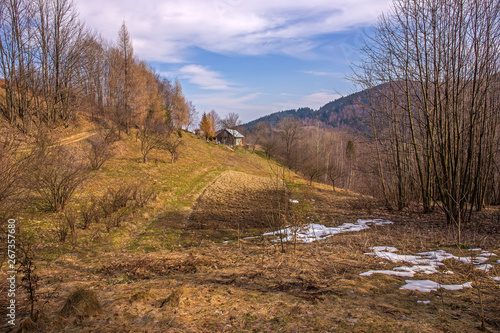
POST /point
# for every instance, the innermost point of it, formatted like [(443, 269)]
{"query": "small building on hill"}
[(230, 137)]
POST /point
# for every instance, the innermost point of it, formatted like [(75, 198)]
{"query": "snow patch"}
[(315, 231), (485, 267), (425, 263), (426, 286)]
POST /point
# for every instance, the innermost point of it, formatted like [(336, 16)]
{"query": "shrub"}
[(89, 212), (101, 147), (57, 172)]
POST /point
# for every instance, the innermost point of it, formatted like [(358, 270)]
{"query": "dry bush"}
[(143, 195), (71, 219), (12, 173), (61, 230), (90, 213), (81, 303), (116, 218), (116, 198), (101, 147), (57, 172)]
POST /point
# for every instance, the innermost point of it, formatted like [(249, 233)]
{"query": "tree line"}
[(54, 66), (316, 151), (433, 69)]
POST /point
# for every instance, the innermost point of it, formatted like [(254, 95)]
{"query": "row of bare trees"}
[(317, 152), (433, 69), (53, 66)]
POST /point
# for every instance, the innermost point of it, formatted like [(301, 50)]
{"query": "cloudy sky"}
[(253, 57)]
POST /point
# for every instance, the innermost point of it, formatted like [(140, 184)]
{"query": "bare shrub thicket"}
[(117, 203), (56, 173), (13, 167), (101, 147), (90, 213)]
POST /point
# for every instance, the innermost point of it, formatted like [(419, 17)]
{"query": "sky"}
[(251, 57)]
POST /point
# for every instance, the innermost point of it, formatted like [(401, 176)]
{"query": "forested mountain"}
[(346, 111)]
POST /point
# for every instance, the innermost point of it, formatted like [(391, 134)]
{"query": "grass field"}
[(182, 263)]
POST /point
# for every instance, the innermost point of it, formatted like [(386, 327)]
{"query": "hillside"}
[(344, 112), (187, 253)]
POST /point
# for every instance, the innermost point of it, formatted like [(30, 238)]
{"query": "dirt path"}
[(69, 140), (77, 137)]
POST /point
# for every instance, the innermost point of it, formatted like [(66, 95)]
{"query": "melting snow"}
[(405, 271), (431, 258), (426, 286), (485, 267), (424, 302), (314, 231), (426, 263)]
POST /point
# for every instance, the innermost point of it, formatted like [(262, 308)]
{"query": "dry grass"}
[(160, 272)]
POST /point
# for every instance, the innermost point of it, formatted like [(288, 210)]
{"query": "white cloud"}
[(313, 101), (165, 30), (320, 73), (203, 77)]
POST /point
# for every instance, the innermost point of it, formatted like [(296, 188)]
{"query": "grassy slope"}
[(155, 274)]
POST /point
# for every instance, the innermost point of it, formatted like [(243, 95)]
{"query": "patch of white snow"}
[(426, 286), (315, 231)]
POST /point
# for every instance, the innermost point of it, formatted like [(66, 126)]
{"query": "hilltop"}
[(343, 112), (185, 252)]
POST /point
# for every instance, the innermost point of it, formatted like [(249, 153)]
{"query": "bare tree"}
[(258, 133), (151, 137), (125, 67), (290, 130), (216, 121), (439, 63), (231, 121), (172, 141), (192, 115), (16, 62), (101, 147)]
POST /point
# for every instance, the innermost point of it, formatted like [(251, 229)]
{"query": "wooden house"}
[(230, 137)]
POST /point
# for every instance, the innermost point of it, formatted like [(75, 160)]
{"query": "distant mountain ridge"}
[(346, 111)]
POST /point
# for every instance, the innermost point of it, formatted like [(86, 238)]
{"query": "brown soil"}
[(235, 200)]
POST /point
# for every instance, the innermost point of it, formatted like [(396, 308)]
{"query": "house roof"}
[(233, 132)]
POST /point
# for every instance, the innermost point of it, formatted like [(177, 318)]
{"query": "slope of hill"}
[(193, 258), (344, 112)]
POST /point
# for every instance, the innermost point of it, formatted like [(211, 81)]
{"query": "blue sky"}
[(249, 57)]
